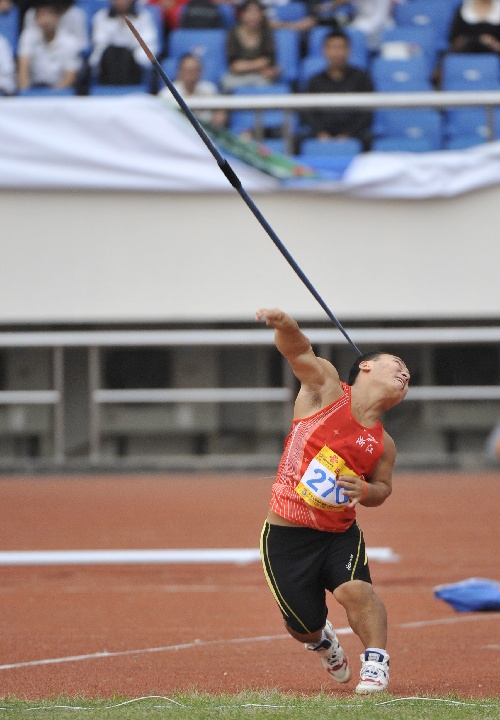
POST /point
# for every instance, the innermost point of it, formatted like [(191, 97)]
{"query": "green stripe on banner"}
[(261, 157)]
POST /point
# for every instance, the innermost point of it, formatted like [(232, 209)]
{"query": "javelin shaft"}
[(236, 182)]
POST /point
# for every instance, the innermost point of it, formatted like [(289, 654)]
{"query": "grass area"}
[(251, 705)]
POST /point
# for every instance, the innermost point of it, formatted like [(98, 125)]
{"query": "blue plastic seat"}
[(329, 148), (116, 90), (247, 120), (208, 45), (462, 142), (418, 40), (470, 71), (359, 55), (287, 53), (291, 11), (464, 127), (416, 124), (47, 92), (410, 75), (308, 67), (435, 14), (9, 26), (402, 144)]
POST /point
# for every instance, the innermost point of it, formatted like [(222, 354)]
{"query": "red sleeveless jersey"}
[(329, 443)]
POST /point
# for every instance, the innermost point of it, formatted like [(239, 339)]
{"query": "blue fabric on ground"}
[(472, 595)]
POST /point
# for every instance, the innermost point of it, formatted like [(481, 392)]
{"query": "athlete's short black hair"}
[(354, 371)]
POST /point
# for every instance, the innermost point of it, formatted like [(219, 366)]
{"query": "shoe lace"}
[(371, 670)]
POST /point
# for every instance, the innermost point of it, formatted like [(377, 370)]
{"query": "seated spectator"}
[(48, 56), (7, 68), (339, 77), (189, 84), (250, 49), (73, 20), (117, 58), (476, 27)]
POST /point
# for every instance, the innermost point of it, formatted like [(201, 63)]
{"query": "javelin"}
[(236, 182)]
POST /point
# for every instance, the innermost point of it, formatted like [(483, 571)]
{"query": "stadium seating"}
[(287, 53), (421, 129), (470, 71), (415, 40), (291, 11), (436, 14), (323, 148), (47, 92), (308, 67), (9, 26), (117, 90), (208, 45), (402, 144), (464, 127), (248, 120), (411, 75)]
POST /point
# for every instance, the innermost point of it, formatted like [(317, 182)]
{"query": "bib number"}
[(318, 486)]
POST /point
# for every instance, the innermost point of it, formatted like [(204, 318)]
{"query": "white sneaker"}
[(332, 656), (374, 675)]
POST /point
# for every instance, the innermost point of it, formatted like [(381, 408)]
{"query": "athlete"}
[(336, 456)]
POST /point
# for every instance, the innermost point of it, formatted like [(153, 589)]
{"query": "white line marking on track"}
[(231, 641), (237, 556)]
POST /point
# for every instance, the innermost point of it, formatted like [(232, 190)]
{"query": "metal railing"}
[(296, 102), (98, 396)]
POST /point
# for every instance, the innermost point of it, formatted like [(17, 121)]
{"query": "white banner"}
[(139, 143)]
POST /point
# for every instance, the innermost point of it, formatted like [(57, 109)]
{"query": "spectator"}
[(73, 20), (116, 57), (48, 56), (250, 49), (7, 68), (189, 84), (339, 77), (476, 27), (370, 17)]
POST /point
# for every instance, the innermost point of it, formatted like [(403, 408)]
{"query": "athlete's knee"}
[(355, 591), (308, 637)]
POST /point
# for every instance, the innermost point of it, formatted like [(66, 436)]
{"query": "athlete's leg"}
[(312, 638), (365, 611)]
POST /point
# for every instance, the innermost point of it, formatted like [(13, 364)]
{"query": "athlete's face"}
[(392, 372)]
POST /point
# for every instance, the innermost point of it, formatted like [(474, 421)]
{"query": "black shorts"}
[(301, 563)]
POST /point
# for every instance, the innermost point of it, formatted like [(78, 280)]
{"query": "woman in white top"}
[(109, 29), (476, 27), (73, 21), (47, 55)]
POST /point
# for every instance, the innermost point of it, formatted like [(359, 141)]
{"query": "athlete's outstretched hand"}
[(274, 317)]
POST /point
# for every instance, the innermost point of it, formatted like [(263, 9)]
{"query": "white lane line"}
[(233, 641), (450, 621), (237, 556)]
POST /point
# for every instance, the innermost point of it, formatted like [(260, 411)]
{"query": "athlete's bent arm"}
[(375, 490), (380, 481), (313, 373)]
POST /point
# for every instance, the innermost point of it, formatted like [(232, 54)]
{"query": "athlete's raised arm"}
[(319, 378)]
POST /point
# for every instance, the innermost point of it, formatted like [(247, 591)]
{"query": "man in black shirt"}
[(340, 77)]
